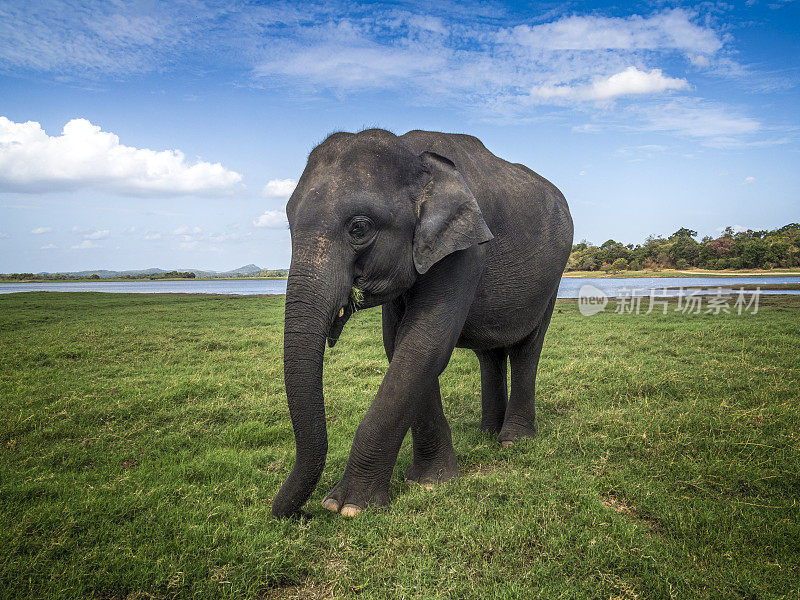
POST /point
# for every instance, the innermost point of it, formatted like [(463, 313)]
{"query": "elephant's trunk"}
[(314, 295)]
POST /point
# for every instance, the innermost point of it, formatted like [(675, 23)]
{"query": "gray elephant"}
[(461, 248)]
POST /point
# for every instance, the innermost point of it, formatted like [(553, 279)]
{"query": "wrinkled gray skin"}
[(462, 249)]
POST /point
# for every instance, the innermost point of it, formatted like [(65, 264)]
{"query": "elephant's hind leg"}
[(520, 418), (494, 389), (434, 455)]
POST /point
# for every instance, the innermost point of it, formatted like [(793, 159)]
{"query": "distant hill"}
[(244, 271), (250, 269)]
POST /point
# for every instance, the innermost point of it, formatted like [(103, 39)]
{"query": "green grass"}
[(144, 436)]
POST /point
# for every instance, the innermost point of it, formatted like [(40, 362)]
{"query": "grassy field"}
[(144, 436)]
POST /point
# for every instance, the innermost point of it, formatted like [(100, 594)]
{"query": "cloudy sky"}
[(138, 134)]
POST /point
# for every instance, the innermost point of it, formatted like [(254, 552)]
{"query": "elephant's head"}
[(371, 214)]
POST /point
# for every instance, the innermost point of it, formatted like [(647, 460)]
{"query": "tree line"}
[(95, 276), (273, 273), (749, 249)]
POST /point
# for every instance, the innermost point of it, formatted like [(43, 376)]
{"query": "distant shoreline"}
[(132, 279), (681, 273), (566, 275)]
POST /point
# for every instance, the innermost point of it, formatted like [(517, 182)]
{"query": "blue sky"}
[(138, 134)]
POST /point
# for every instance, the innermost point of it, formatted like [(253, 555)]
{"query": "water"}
[(189, 286), (642, 285), (568, 289)]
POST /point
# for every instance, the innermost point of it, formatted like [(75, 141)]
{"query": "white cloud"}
[(670, 29), (152, 235), (97, 235), (634, 81), (369, 45), (89, 38), (490, 68), (643, 149), (273, 219), (186, 230), (234, 236), (631, 81), (749, 180), (85, 157), (85, 244), (279, 188), (4, 235), (49, 247), (465, 56), (356, 63), (41, 230), (712, 122)]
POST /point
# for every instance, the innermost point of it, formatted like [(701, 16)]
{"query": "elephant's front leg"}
[(400, 399), (434, 315), (434, 455)]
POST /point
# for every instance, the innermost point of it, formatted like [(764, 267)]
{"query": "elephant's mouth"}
[(339, 322), (358, 300), (354, 302)]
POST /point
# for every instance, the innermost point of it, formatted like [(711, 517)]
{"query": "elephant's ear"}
[(448, 216)]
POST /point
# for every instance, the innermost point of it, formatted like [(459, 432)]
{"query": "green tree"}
[(685, 249), (683, 232), (611, 250), (619, 265), (752, 252)]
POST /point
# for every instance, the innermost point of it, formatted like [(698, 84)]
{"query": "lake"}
[(569, 287)]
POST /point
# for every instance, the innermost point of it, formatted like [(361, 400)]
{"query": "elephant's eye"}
[(361, 230)]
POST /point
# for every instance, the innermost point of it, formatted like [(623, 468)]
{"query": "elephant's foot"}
[(491, 424), (516, 430), (429, 473), (349, 498)]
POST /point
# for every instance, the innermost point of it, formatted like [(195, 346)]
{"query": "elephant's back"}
[(511, 195), (532, 228)]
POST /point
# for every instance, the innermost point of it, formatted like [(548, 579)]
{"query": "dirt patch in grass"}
[(622, 506)]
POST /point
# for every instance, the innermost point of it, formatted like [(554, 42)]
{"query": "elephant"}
[(461, 249)]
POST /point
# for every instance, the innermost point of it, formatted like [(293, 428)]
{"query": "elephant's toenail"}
[(350, 510), (330, 504), (506, 444)]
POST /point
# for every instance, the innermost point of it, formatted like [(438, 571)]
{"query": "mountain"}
[(250, 269), (246, 270)]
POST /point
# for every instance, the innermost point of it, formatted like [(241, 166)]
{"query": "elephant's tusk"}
[(341, 312)]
